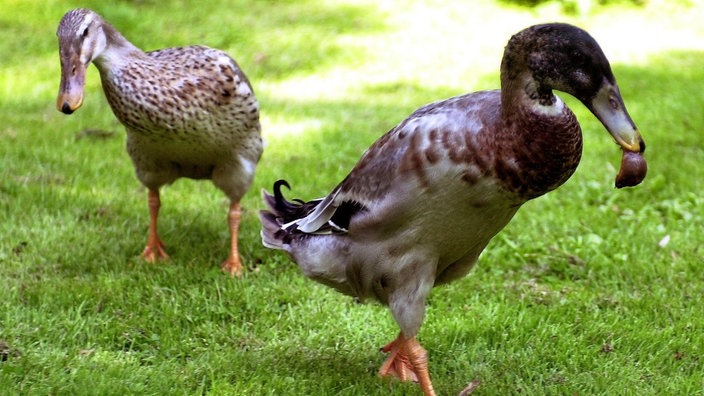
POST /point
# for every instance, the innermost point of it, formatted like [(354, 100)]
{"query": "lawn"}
[(589, 290)]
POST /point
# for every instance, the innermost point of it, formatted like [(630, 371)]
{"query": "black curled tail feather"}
[(281, 212), (288, 211), (280, 203)]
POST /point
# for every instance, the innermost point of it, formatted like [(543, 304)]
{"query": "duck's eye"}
[(84, 34), (614, 103)]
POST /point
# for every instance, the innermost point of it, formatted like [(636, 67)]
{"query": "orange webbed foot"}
[(397, 364), (232, 266), (154, 252), (407, 361)]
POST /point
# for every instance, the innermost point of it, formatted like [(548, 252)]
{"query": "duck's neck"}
[(521, 90), (117, 51), (545, 145)]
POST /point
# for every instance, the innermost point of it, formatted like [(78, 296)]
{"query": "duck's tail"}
[(280, 220), (271, 232)]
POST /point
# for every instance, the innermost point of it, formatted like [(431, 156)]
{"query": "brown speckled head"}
[(72, 32)]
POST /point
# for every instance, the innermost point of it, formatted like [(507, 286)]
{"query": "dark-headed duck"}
[(428, 196)]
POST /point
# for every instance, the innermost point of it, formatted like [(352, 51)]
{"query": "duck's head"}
[(81, 39), (566, 58)]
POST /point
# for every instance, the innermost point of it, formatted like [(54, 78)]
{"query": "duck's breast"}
[(543, 149)]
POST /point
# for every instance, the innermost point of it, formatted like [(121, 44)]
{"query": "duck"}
[(425, 199), (189, 112)]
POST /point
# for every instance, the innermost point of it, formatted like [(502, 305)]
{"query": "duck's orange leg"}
[(232, 265), (155, 248), (408, 361)]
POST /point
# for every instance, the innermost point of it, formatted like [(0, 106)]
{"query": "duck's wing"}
[(411, 153), (206, 68)]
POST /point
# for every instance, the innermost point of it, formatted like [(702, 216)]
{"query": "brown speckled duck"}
[(428, 196), (188, 111)]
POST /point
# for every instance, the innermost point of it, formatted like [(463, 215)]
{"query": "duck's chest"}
[(542, 155)]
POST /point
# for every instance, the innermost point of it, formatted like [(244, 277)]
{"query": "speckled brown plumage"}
[(188, 111), (425, 200)]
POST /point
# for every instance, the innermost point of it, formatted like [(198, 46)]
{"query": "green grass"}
[(575, 296)]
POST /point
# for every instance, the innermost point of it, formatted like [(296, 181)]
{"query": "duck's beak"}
[(73, 80), (608, 107)]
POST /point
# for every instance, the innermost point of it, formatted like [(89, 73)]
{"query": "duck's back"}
[(186, 104), (466, 139)]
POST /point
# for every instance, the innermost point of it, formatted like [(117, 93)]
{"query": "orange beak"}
[(73, 81)]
